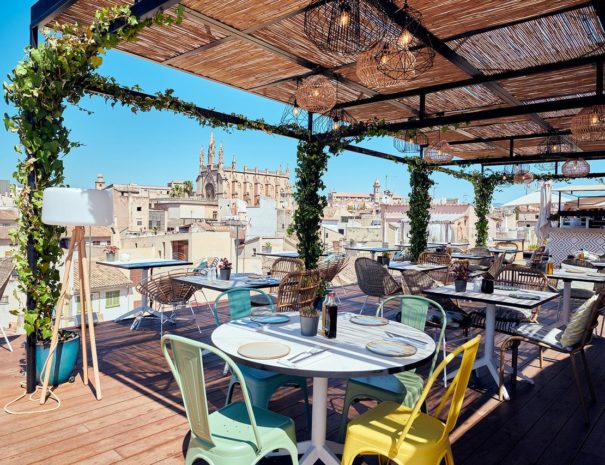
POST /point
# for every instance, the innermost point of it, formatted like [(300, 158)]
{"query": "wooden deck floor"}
[(141, 420)]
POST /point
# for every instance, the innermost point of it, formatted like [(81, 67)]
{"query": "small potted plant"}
[(110, 252), (309, 321), (224, 267), (322, 291), (554, 219), (461, 273), (267, 246), (384, 258)]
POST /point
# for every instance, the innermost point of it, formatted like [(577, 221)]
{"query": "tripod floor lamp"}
[(63, 206)]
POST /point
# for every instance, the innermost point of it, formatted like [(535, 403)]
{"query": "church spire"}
[(233, 163), (202, 161), (211, 150), (221, 154)]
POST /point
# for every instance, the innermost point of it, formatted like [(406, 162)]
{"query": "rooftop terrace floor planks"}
[(141, 420)]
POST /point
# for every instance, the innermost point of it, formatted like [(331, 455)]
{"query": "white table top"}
[(588, 277), (499, 296), (346, 355), (373, 249), (415, 266), (598, 264), (237, 280)]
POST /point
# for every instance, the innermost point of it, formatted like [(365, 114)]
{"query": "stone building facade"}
[(217, 181)]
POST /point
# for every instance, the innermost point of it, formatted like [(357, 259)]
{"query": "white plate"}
[(263, 350), (369, 320), (390, 348)]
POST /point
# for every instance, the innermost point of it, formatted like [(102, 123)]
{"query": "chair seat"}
[(579, 293), (377, 430), (404, 387), (232, 433), (259, 300), (472, 267), (543, 334), (507, 318), (258, 374)]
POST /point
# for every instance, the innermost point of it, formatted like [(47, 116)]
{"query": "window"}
[(214, 215), (112, 299), (139, 222), (139, 209), (96, 242), (4, 300)]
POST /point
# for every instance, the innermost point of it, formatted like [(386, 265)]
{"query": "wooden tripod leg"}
[(58, 313), (91, 327), (83, 321)]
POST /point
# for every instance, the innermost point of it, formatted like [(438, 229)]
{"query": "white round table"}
[(345, 356)]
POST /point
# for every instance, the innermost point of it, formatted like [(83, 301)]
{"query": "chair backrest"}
[(165, 290), (496, 266), (598, 308), (523, 277), (330, 266), (208, 262), (508, 256), (537, 256), (297, 290), (414, 311), (373, 279), (454, 395), (282, 266), (414, 282), (480, 250), (185, 359), (307, 291), (438, 258), (7, 265), (239, 301)]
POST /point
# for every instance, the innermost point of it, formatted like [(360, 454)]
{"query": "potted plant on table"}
[(267, 246), (110, 253), (224, 267), (384, 258), (461, 273), (309, 321), (322, 291), (554, 219)]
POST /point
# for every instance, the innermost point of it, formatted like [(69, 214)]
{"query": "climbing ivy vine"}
[(420, 204)]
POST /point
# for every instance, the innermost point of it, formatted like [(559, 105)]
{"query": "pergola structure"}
[(506, 74)]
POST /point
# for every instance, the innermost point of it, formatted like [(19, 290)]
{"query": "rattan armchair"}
[(167, 294), (483, 263), (279, 270), (6, 269), (509, 257), (330, 267), (537, 256), (297, 290), (546, 337), (508, 318), (374, 280), (438, 258)]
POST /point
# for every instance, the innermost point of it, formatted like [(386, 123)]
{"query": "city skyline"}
[(155, 148)]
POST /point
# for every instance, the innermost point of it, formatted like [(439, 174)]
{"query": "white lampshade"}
[(67, 206)]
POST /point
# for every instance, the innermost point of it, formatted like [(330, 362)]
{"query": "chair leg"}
[(199, 330), (8, 343), (576, 375), (515, 363), (364, 304), (305, 391), (541, 353), (230, 389), (449, 457), (348, 400), (444, 342), (588, 376)]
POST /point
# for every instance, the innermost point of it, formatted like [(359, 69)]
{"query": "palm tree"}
[(176, 191), (187, 188)]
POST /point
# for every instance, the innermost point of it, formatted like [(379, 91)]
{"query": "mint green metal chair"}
[(261, 384), (238, 433), (405, 387)]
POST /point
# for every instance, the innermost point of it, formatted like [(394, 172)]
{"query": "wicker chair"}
[(279, 270), (6, 269), (374, 280), (535, 261), (297, 290), (509, 257), (330, 267), (482, 264), (438, 258), (546, 337), (164, 291), (508, 318)]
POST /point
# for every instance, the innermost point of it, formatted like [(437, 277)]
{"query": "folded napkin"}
[(526, 296)]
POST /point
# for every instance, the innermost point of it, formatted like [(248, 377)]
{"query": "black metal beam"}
[(529, 159), (599, 7), (479, 140), (483, 79), (44, 11), (462, 118)]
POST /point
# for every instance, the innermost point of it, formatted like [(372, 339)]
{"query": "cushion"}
[(541, 333), (575, 329)]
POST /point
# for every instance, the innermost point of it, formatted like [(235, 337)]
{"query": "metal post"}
[(236, 247), (30, 342)]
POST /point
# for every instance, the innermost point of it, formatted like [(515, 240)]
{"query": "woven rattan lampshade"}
[(439, 152), (589, 124), (405, 142), (523, 176), (555, 144), (346, 27), (316, 94), (403, 55), (577, 168), (368, 72)]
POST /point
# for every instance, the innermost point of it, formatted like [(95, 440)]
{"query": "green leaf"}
[(96, 61)]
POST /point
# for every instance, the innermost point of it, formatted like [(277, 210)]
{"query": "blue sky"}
[(155, 148)]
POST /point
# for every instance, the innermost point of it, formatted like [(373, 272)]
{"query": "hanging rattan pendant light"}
[(438, 152), (403, 55), (576, 168), (316, 94), (368, 72), (589, 124), (346, 27), (522, 176), (410, 143), (554, 144)]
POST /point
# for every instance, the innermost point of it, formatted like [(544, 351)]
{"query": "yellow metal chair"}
[(408, 436)]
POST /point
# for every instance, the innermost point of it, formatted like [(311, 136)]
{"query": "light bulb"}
[(555, 148), (345, 18), (295, 110), (315, 93), (335, 125), (594, 118), (384, 59), (405, 39)]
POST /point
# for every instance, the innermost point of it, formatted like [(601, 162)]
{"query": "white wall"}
[(262, 219)]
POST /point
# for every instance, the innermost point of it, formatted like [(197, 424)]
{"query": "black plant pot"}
[(380, 259), (386, 261), (460, 285), (225, 274)]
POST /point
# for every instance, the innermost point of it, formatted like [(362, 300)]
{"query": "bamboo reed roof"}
[(260, 46)]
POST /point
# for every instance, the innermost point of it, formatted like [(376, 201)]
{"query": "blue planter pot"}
[(64, 361)]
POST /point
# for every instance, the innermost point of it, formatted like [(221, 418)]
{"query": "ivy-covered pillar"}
[(484, 187), (420, 204), (311, 164)]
